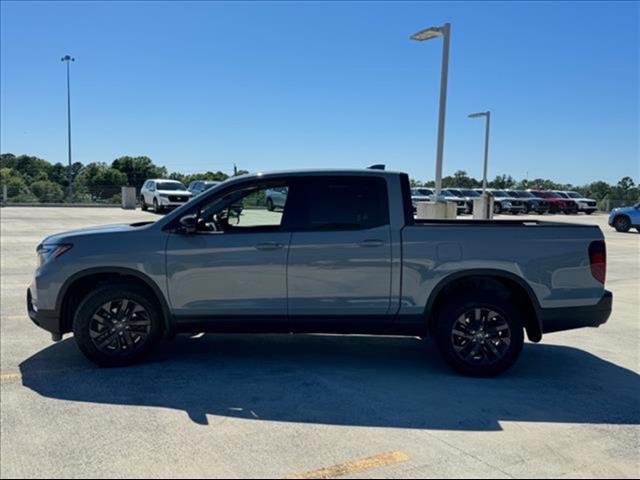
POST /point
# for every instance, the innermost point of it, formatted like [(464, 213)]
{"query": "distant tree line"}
[(625, 192), (32, 179)]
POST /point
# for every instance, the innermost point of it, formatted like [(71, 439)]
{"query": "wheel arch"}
[(76, 287), (488, 279)]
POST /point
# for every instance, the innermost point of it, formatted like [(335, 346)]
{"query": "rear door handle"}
[(371, 243), (269, 246)]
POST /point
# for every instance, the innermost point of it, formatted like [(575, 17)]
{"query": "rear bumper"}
[(560, 319), (45, 319)]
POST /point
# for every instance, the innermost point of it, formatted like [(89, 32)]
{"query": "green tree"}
[(502, 181), (31, 168), (14, 182), (100, 181), (47, 191), (138, 169), (59, 173)]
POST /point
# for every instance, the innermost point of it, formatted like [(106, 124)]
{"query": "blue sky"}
[(198, 86)]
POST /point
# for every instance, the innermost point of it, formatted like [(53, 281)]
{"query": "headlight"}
[(46, 252), (164, 195), (506, 204)]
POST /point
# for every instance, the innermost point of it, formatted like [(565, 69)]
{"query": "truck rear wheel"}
[(480, 334), (117, 325)]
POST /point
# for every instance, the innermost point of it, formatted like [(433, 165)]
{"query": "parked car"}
[(530, 201), (623, 219), (557, 202), (585, 205), (423, 194), (504, 203), (276, 198), (468, 198), (345, 256), (163, 194), (196, 187)]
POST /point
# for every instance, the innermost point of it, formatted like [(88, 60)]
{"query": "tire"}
[(477, 357), (589, 212), (270, 205), (143, 204), (497, 208), (156, 208), (131, 338), (622, 223)]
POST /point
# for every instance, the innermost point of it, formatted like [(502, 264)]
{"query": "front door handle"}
[(269, 246), (371, 243)]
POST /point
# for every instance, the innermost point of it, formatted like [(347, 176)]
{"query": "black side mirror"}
[(189, 223)]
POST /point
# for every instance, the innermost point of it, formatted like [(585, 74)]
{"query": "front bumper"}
[(514, 209), (45, 319), (587, 208), (569, 318)]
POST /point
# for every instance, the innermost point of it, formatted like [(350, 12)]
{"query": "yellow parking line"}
[(355, 466), (7, 377)]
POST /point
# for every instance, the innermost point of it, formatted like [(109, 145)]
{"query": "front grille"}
[(516, 203), (591, 204), (178, 198)]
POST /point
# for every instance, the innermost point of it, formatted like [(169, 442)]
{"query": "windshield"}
[(453, 193), (470, 193), (525, 194), (422, 191), (499, 193), (561, 195), (574, 195), (170, 186), (545, 194)]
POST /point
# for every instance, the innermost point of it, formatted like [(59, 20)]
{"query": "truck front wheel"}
[(117, 325), (480, 334)]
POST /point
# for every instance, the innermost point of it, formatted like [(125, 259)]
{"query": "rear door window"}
[(341, 203)]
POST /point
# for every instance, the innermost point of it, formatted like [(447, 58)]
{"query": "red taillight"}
[(598, 260)]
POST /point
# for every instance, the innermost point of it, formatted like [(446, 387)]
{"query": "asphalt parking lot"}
[(287, 406)]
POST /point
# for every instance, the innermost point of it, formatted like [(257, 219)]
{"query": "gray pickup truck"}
[(345, 255)]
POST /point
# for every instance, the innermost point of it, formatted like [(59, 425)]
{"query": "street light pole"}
[(487, 115), (69, 58), (445, 32)]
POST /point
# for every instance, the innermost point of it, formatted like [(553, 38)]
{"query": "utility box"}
[(483, 207), (435, 210), (129, 198)]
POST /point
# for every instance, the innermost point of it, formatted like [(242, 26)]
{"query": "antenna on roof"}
[(377, 166)]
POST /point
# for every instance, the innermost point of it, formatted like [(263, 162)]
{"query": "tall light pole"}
[(427, 34), (487, 115), (69, 58)]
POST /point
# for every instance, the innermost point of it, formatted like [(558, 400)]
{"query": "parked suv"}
[(163, 194), (424, 194), (505, 203), (585, 205), (276, 198), (530, 201), (622, 219), (467, 197), (198, 186), (558, 203)]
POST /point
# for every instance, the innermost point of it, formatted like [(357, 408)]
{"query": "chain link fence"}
[(49, 193)]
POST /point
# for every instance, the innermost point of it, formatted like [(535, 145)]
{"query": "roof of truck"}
[(327, 171)]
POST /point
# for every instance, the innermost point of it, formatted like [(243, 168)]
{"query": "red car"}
[(557, 202)]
